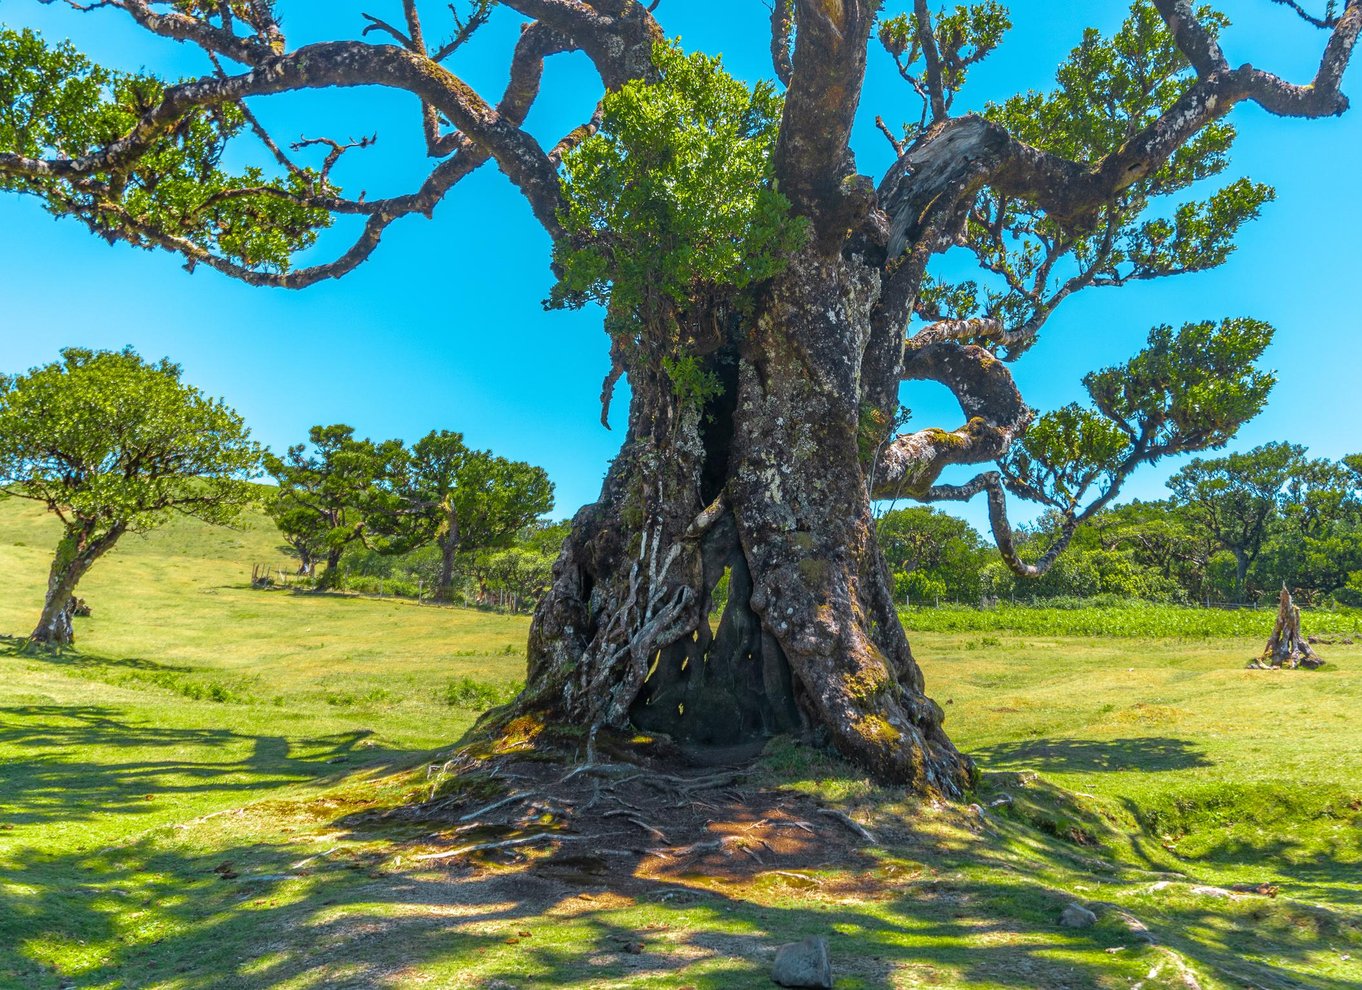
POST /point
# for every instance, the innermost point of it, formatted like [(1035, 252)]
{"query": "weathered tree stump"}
[(1286, 647)]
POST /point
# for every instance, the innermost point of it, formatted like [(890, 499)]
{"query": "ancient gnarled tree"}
[(764, 298)]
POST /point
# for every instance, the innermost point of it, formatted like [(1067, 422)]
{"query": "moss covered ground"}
[(211, 793)]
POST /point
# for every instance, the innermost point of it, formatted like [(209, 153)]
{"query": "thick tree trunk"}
[(767, 483), (54, 625), (75, 553), (449, 547), (330, 577)]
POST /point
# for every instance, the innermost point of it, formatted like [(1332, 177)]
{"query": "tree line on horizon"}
[(437, 513), (111, 443), (1234, 529)]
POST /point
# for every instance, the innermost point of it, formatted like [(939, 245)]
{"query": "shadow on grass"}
[(258, 915), (71, 763), (1148, 754)]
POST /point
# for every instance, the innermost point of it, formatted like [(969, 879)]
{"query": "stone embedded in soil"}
[(803, 964), (1077, 916)]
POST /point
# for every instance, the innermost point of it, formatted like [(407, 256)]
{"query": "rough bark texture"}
[(448, 541), (768, 483), (1287, 647), (76, 552)]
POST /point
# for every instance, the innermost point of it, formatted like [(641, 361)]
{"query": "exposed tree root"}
[(666, 822)]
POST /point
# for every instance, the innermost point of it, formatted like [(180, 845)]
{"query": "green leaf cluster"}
[(55, 102), (339, 490), (112, 443), (329, 487), (670, 206), (1188, 389), (1108, 90)]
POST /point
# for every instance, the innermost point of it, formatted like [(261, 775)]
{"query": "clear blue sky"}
[(443, 328)]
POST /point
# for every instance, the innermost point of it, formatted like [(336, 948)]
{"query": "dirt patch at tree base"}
[(634, 825)]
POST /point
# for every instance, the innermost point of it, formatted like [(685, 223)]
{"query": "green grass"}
[(204, 728), (1139, 620)]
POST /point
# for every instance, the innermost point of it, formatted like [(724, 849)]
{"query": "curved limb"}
[(963, 154), (994, 410)]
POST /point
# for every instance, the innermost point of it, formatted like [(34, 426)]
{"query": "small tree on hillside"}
[(461, 500), (113, 444), (326, 494)]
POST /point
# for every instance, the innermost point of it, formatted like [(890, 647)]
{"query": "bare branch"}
[(617, 36), (317, 66), (266, 41), (894, 142), (1326, 22), (337, 149), (931, 55), (375, 24), (782, 26)]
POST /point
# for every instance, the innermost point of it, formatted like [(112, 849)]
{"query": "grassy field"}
[(1138, 619), (210, 794)]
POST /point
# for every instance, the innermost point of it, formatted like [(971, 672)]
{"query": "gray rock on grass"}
[(803, 964), (1077, 916)]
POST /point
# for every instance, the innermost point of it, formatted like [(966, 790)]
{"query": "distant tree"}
[(463, 501), (1235, 498), (326, 493), (517, 575), (1091, 566), (113, 444), (1162, 537), (1315, 541), (929, 552)]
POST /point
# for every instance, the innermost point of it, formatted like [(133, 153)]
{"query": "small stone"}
[(1211, 891), (803, 964), (1077, 916)]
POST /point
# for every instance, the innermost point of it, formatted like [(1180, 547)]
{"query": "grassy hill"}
[(215, 791)]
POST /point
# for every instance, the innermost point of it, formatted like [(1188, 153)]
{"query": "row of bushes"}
[(1121, 618)]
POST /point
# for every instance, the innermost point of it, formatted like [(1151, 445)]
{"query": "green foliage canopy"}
[(1186, 390), (327, 494), (113, 444), (109, 441), (670, 204), (55, 102)]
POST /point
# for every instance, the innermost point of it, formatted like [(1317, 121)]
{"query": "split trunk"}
[(767, 483), (1287, 646)]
